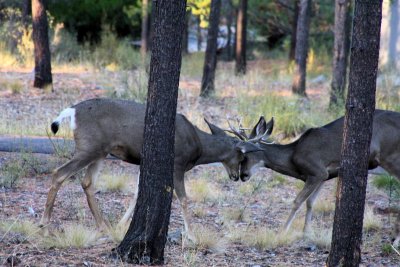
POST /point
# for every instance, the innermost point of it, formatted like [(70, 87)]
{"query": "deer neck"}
[(279, 158), (213, 148)]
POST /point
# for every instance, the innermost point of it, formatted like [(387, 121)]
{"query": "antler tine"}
[(236, 132), (241, 129), (259, 138)]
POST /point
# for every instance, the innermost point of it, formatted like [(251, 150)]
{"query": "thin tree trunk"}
[(145, 29), (394, 31), (146, 237), (199, 37), (43, 77), (186, 33), (26, 12), (357, 132), (241, 26), (294, 30), (341, 50), (229, 20), (210, 61), (303, 27)]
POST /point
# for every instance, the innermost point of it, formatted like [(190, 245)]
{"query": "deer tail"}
[(66, 113)]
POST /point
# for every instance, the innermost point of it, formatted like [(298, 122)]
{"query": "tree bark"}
[(40, 35), (303, 27), (210, 61), (294, 30), (241, 26), (394, 31), (146, 237), (341, 49), (357, 132), (145, 29)]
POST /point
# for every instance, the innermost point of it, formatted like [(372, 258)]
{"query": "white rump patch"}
[(68, 112)]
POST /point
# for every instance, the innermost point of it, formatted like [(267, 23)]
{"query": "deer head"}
[(250, 150)]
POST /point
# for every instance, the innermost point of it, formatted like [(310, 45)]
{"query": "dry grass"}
[(239, 214), (74, 235), (120, 181), (28, 228), (371, 221), (263, 238), (201, 190), (208, 239), (324, 206), (321, 238)]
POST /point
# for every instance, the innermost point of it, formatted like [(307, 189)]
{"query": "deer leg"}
[(309, 213), (88, 187), (59, 176), (310, 186), (392, 166), (181, 194), (129, 212)]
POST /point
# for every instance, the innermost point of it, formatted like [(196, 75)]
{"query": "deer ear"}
[(269, 126), (262, 128), (215, 130), (246, 147)]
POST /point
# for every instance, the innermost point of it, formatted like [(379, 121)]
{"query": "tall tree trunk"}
[(146, 237), (145, 29), (241, 27), (294, 30), (341, 49), (394, 31), (40, 37), (303, 27), (199, 37), (26, 12), (210, 61), (185, 41), (229, 20), (357, 132)]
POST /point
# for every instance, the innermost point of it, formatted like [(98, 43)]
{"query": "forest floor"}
[(263, 203)]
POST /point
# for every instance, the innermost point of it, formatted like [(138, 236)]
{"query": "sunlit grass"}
[(371, 221), (321, 238), (263, 238), (74, 235), (207, 238), (116, 181), (201, 190)]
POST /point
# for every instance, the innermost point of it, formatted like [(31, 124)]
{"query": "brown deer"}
[(315, 156), (115, 127)]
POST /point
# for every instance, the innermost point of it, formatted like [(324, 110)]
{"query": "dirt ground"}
[(265, 208)]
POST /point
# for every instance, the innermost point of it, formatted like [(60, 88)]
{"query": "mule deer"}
[(315, 156), (107, 126)]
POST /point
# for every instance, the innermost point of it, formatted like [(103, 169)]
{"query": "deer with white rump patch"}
[(115, 127), (315, 156)]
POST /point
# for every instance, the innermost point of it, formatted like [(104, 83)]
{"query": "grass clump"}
[(11, 172), (113, 182), (74, 235), (202, 191), (321, 238), (324, 206), (24, 227), (208, 239), (236, 214), (371, 221), (262, 238)]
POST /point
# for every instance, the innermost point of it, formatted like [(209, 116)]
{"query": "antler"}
[(240, 132)]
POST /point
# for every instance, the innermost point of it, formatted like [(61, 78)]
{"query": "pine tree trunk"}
[(185, 46), (146, 237), (294, 30), (210, 61), (341, 50), (40, 37), (303, 27), (357, 132), (145, 29), (241, 27), (394, 31)]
